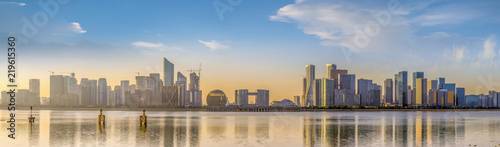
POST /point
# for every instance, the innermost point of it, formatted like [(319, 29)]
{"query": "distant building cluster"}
[(338, 89), (147, 90)]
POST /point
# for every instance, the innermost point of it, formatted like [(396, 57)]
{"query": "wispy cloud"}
[(77, 28), (214, 45), (159, 46), (14, 3), (489, 48), (457, 54)]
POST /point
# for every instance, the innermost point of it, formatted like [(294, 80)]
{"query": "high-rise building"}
[(194, 90), (118, 95), (324, 92), (421, 92), (416, 75), (34, 89), (111, 96), (262, 98), (402, 88), (93, 91), (461, 97), (329, 68), (168, 72), (472, 100), (310, 77), (296, 100), (304, 89), (348, 81), (154, 86), (56, 89), (125, 90), (388, 91), (492, 98), (441, 82), (441, 97), (84, 92), (241, 97), (396, 100), (337, 77), (103, 91), (141, 82), (364, 86), (182, 83), (498, 99)]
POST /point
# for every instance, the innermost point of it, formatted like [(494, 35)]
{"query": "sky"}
[(257, 44)]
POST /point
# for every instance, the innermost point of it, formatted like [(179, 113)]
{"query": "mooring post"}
[(101, 118), (143, 118), (31, 119)]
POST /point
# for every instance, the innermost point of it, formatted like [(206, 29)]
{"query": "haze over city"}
[(256, 45)]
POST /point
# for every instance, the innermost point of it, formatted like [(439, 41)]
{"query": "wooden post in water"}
[(143, 118), (31, 119), (101, 118)]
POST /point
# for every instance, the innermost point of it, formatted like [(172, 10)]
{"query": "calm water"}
[(80, 128)]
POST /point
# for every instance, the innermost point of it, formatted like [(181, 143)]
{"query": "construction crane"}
[(199, 74), (51, 72)]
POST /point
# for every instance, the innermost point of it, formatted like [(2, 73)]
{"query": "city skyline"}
[(281, 43)]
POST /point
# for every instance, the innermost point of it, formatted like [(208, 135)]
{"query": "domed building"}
[(216, 98)]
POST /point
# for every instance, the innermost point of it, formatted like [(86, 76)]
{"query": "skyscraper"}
[(93, 91), (56, 88), (336, 75), (241, 97), (388, 91), (125, 90), (182, 83), (34, 89), (103, 91), (194, 90), (416, 75), (402, 88), (421, 92), (310, 76), (461, 97), (155, 84), (118, 95), (168, 72), (141, 82), (396, 92), (348, 82), (441, 82), (324, 92), (296, 99), (364, 86), (329, 68)]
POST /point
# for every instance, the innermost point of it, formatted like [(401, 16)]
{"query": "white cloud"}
[(489, 48), (77, 28), (159, 46), (214, 45), (148, 44), (15, 3), (457, 55)]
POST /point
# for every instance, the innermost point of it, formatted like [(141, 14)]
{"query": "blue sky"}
[(260, 44)]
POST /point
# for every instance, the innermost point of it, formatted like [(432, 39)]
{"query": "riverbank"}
[(204, 109)]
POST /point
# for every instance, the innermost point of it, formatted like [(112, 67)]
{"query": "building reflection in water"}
[(241, 130), (262, 129), (216, 127), (420, 129), (194, 131)]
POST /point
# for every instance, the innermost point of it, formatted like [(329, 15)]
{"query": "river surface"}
[(277, 129)]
